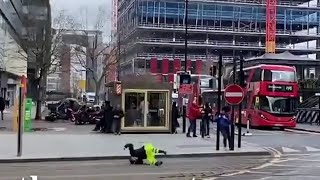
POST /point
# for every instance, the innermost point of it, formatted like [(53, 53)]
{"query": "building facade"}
[(152, 32), (13, 56)]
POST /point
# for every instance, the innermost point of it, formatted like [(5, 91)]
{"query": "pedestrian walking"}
[(194, 114), (117, 116), (2, 106), (175, 116), (225, 123)]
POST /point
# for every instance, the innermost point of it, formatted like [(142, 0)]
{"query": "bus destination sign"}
[(279, 88)]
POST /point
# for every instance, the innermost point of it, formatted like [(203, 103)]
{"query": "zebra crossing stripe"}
[(312, 149), (289, 150)]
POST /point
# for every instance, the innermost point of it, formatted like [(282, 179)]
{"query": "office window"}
[(193, 67), (171, 67), (159, 66)]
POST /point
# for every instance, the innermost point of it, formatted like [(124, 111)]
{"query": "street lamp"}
[(186, 36)]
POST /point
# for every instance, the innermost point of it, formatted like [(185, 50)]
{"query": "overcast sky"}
[(86, 11)]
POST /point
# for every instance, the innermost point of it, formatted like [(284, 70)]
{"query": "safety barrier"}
[(308, 115)]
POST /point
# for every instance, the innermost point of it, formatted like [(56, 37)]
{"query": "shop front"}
[(146, 103), (146, 110)]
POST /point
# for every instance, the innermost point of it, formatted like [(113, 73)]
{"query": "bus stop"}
[(146, 103)]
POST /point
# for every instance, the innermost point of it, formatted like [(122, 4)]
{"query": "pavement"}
[(43, 147), (308, 127), (66, 141), (172, 169)]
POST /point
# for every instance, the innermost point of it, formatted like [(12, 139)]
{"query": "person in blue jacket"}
[(225, 123)]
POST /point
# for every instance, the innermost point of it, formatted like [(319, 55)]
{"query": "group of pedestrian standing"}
[(110, 121), (206, 114)]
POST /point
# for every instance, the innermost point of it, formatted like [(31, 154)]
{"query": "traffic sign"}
[(234, 94), (186, 89)]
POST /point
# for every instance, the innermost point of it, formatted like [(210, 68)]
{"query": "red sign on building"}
[(118, 88), (186, 89), (234, 94)]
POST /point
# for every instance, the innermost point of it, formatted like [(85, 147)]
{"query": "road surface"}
[(288, 167), (172, 169)]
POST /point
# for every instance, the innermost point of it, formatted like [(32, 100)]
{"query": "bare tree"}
[(97, 61), (91, 57), (45, 52)]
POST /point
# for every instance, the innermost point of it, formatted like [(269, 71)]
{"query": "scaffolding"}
[(156, 28)]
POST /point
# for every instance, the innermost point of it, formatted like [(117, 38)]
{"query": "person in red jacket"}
[(194, 114)]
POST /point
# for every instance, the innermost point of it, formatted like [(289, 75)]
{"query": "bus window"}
[(256, 75), (278, 105), (274, 75), (264, 104)]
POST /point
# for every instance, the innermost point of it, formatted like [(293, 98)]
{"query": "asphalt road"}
[(290, 167), (172, 169)]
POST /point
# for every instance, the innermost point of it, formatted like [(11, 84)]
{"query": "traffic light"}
[(213, 70), (185, 78)]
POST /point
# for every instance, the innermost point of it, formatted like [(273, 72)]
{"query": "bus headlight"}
[(262, 116)]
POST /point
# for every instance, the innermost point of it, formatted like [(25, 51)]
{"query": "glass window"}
[(257, 75), (171, 67), (134, 109), (193, 67), (278, 105), (157, 109), (159, 66), (275, 75)]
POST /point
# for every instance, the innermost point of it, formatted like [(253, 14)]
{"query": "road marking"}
[(289, 150), (235, 173), (294, 166), (312, 149), (275, 159), (300, 132)]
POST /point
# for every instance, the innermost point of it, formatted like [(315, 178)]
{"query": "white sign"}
[(32, 178)]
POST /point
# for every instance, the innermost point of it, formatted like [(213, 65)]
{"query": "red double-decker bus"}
[(271, 96)]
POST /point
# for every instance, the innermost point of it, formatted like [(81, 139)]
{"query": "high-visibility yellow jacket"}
[(151, 152)]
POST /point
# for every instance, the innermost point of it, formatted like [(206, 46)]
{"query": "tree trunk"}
[(96, 99), (38, 104)]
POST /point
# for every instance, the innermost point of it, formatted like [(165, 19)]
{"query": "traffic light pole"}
[(219, 101), (241, 80), (233, 107), (184, 108)]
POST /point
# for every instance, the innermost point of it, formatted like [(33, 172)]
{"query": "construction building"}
[(152, 32)]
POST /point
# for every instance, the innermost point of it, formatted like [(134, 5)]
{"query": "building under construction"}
[(152, 32)]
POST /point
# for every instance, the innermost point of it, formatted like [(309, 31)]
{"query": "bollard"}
[(248, 130)]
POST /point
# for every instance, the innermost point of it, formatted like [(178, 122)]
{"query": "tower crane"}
[(271, 15)]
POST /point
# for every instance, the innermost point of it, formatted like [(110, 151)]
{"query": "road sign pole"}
[(219, 101), (184, 116), (241, 81), (19, 146), (233, 107)]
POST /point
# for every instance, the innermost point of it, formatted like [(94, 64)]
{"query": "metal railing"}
[(283, 3), (222, 29), (181, 56), (220, 43), (308, 115)]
